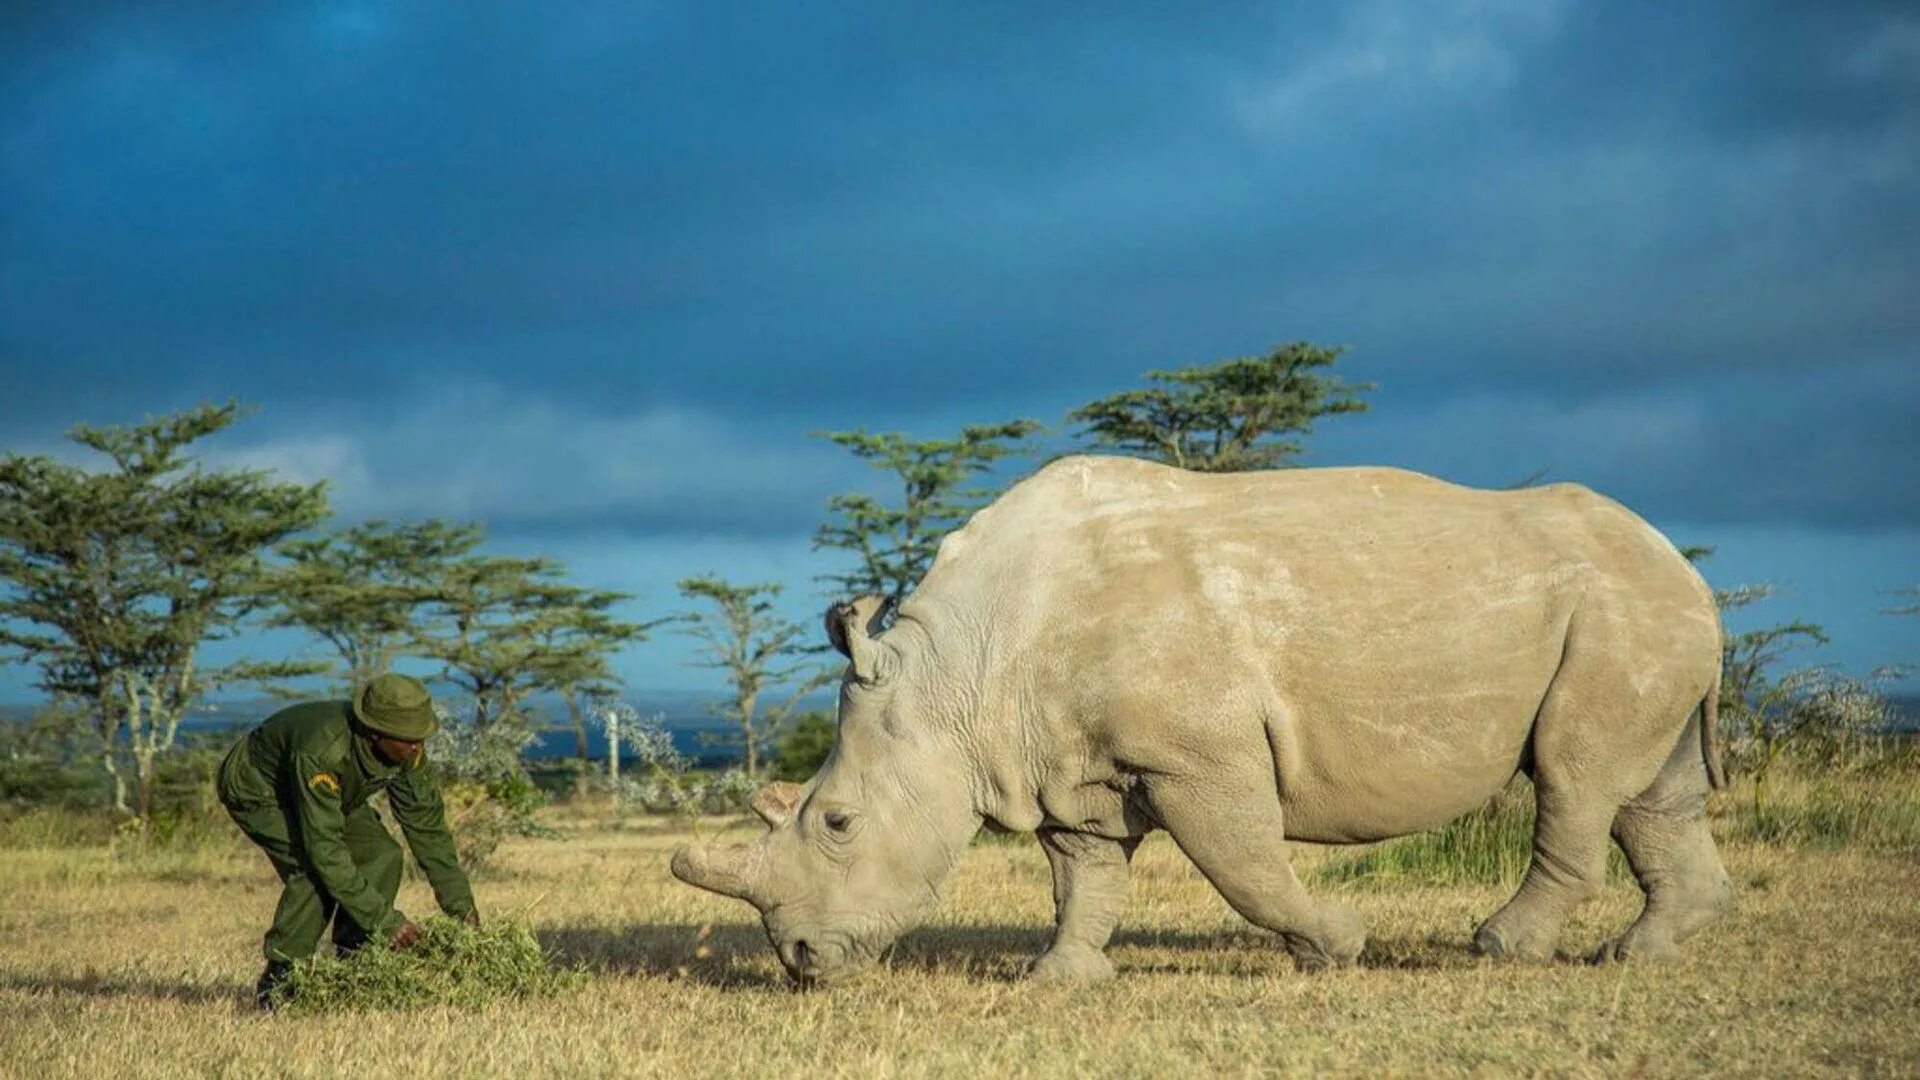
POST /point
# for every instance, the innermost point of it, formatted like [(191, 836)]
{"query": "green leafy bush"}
[(803, 747), (452, 964), (484, 781)]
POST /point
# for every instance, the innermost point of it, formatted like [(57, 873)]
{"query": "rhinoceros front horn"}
[(738, 871)]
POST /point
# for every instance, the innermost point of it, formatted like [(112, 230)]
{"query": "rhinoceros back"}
[(1385, 636)]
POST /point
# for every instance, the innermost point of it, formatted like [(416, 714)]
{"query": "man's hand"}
[(404, 937), (472, 918)]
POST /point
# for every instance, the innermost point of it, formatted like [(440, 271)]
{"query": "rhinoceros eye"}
[(837, 821)]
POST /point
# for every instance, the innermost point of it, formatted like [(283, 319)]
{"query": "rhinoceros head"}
[(857, 855)]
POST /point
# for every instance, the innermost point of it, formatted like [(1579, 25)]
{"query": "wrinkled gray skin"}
[(1331, 655)]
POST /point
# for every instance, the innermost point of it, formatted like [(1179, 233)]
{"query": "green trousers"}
[(305, 909)]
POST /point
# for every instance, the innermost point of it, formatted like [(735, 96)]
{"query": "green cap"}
[(397, 706)]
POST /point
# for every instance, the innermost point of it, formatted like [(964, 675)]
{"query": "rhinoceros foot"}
[(1070, 965), (1513, 939), (1657, 934), (1337, 943), (1638, 948)]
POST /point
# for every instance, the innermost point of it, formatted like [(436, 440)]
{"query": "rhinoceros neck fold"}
[(967, 665)]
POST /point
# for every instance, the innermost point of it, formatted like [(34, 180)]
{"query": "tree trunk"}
[(613, 756), (108, 720), (746, 705), (119, 782), (579, 722), (143, 771)]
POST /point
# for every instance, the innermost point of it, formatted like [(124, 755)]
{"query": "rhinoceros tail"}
[(1710, 733)]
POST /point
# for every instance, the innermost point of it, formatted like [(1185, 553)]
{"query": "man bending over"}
[(298, 786)]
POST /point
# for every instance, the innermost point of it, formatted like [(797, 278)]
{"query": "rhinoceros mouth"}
[(822, 959)]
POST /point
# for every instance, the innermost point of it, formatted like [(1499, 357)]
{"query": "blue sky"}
[(591, 273)]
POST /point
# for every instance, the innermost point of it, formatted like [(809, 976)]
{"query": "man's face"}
[(395, 751)]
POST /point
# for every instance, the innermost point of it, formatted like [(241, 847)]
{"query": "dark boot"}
[(348, 938), (266, 991)]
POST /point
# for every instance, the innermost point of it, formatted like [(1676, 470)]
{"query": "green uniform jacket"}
[(307, 760)]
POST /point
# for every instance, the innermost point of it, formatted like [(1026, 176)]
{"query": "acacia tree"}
[(1748, 660), (480, 624), (112, 580), (362, 589), (757, 650), (1810, 711), (1771, 711), (506, 627), (1233, 416), (574, 637), (895, 544)]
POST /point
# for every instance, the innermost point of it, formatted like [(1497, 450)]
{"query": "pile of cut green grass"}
[(452, 964)]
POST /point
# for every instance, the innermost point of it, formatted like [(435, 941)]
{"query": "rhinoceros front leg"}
[(1230, 826), (1089, 891)]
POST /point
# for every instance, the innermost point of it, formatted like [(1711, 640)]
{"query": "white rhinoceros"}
[(1330, 655)]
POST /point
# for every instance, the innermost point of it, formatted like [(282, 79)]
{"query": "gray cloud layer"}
[(518, 263)]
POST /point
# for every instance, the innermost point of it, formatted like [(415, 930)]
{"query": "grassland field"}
[(132, 962)]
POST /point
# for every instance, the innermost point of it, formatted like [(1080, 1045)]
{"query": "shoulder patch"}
[(324, 781)]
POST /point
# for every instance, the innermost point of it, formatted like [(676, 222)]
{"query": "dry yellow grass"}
[(141, 967)]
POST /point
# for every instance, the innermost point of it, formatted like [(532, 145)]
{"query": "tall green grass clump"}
[(452, 964), (1875, 811), (53, 827), (1490, 846)]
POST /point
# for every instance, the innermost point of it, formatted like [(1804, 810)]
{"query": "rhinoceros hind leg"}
[(1664, 832), (1238, 842), (1089, 892), (1595, 743), (1568, 867)]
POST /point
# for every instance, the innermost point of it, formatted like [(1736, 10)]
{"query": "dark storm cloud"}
[(1770, 450), (401, 180), (1737, 72), (1564, 224)]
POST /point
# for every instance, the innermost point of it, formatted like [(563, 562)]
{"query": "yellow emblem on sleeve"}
[(324, 781)]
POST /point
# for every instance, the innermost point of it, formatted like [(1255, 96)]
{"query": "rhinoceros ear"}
[(776, 802), (851, 627)]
